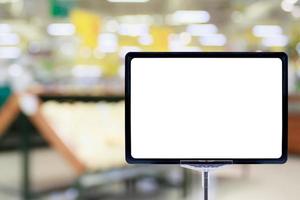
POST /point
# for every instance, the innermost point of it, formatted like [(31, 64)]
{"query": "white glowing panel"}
[(206, 108)]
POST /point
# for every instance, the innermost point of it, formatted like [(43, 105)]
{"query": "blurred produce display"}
[(94, 131)]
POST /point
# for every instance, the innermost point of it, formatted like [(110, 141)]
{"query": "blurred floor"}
[(260, 182), (263, 182)]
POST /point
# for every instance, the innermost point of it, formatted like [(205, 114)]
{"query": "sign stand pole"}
[(204, 169), (205, 184)]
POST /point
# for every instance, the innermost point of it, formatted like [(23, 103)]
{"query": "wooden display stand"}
[(85, 177), (14, 107), (10, 112), (294, 133), (294, 125)]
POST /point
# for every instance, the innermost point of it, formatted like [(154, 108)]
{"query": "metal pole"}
[(25, 145), (205, 184)]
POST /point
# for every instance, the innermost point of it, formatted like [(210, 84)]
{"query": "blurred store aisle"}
[(264, 182)]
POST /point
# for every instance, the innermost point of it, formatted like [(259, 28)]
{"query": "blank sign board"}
[(206, 107)]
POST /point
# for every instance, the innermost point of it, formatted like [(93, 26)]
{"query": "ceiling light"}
[(179, 41), (9, 1), (201, 29), (296, 12), (111, 26), (108, 42), (127, 1), (266, 30), (61, 29), (136, 19), (213, 40), (188, 17), (5, 28), (275, 41), (286, 6), (146, 39), (10, 52), (291, 1), (7, 39), (133, 29)]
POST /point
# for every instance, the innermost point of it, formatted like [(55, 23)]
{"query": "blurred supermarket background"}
[(62, 92)]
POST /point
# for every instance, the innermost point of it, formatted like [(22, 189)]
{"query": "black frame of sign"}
[(281, 55)]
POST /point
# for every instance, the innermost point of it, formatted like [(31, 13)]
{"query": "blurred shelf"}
[(81, 98), (104, 89)]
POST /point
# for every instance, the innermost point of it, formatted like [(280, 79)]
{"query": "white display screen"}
[(206, 108)]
